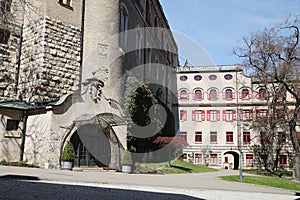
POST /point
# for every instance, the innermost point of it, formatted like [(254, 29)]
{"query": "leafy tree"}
[(272, 57), (138, 102)]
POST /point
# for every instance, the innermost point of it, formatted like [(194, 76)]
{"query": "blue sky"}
[(217, 26)]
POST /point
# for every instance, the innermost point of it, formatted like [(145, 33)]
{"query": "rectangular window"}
[(280, 114), (198, 158), (12, 125), (229, 115), (4, 36), (213, 115), (281, 138), (184, 157), (213, 137), (198, 115), (213, 159), (229, 137), (246, 114), (226, 159), (198, 137), (183, 135), (183, 115), (246, 137), (283, 160), (263, 138), (262, 113), (249, 159)]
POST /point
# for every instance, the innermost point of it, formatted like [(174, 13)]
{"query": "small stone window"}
[(212, 77), (4, 36), (12, 125), (65, 3), (5, 6)]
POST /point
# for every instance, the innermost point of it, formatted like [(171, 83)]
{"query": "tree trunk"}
[(296, 174)]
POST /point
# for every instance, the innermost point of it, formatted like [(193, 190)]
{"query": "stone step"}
[(93, 169)]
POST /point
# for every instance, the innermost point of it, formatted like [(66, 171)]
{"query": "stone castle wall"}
[(8, 67), (50, 60)]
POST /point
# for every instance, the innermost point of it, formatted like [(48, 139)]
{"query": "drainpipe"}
[(23, 134), (239, 132), (19, 58), (81, 44)]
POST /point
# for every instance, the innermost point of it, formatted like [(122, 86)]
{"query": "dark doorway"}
[(235, 158), (92, 147)]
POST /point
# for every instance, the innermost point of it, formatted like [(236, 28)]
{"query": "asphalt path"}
[(30, 183)]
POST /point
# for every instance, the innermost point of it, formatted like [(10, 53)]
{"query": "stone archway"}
[(102, 136), (235, 158), (92, 146)]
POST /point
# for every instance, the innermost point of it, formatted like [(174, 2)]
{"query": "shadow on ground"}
[(28, 187)]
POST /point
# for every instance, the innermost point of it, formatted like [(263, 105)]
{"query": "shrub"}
[(126, 158), (68, 153), (3, 162)]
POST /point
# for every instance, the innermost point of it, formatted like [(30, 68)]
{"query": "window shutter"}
[(251, 114), (224, 95), (193, 115), (233, 114), (224, 115), (187, 95), (194, 96), (203, 115), (258, 95), (267, 111), (250, 95), (257, 112), (218, 115), (208, 96), (185, 115), (208, 115), (233, 95)]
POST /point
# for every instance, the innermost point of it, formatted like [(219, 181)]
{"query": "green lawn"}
[(177, 167), (266, 181), (266, 173)]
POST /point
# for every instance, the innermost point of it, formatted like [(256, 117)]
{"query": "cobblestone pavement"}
[(24, 183)]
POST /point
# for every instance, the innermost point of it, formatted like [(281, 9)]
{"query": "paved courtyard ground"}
[(29, 183)]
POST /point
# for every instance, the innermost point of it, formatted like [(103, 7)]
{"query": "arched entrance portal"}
[(92, 146), (235, 158)]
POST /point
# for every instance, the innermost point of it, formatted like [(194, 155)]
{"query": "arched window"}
[(162, 44), (138, 43), (228, 95), (184, 94), (198, 95), (261, 93), (124, 23), (245, 94), (213, 95)]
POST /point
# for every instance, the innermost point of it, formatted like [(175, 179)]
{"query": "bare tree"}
[(273, 57)]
